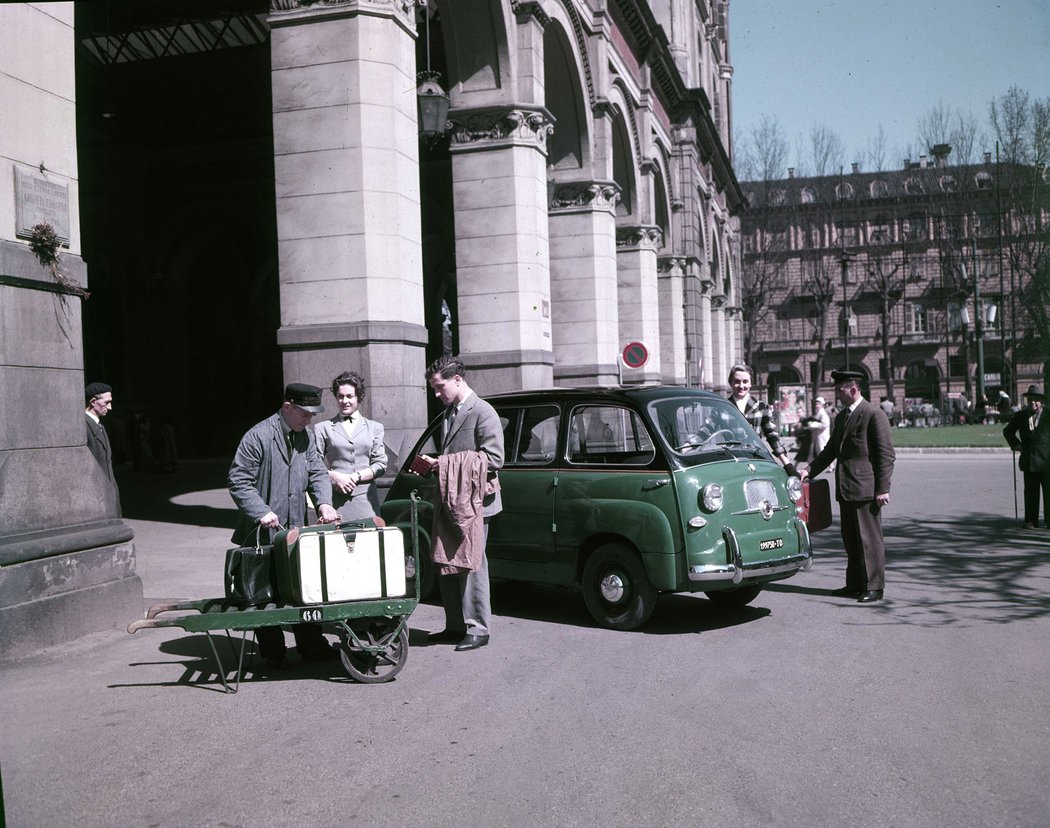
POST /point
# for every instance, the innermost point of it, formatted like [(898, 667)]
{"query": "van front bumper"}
[(734, 570)]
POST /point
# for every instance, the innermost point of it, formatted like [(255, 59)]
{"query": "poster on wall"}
[(792, 407)]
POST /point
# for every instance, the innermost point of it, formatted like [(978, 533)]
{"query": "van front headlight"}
[(794, 487), (712, 497)]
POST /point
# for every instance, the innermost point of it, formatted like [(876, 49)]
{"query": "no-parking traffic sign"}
[(635, 355)]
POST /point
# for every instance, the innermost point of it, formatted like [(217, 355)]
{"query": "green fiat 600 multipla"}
[(629, 492)]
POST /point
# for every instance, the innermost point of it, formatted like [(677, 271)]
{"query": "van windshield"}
[(703, 431)]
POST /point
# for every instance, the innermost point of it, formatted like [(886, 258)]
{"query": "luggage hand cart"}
[(373, 633)]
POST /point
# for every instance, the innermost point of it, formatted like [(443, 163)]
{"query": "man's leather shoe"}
[(847, 592), (446, 636), (472, 642), (870, 596)]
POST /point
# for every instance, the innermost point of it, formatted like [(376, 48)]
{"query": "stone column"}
[(346, 165), (639, 297), (585, 319), (499, 192), (709, 379), (67, 563), (718, 326), (673, 343)]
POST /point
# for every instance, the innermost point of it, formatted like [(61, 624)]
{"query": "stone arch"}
[(623, 168), (661, 198), (624, 153), (922, 378), (477, 40), (569, 145)]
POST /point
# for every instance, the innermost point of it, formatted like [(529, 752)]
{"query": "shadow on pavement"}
[(945, 571), (675, 614), (151, 496)]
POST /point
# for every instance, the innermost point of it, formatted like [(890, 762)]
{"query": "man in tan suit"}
[(861, 446)]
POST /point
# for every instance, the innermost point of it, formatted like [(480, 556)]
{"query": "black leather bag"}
[(249, 574)]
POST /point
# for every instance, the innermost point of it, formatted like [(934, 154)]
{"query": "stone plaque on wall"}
[(38, 200)]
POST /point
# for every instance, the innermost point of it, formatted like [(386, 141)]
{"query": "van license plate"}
[(766, 545)]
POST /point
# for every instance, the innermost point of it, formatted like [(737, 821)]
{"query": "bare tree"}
[(826, 150), (885, 278), (876, 152), (818, 290), (959, 130), (765, 238), (1022, 126)]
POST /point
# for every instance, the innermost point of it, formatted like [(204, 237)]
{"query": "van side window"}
[(609, 434), (530, 434)]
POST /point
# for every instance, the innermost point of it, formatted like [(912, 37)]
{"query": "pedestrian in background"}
[(1034, 463), (861, 445), (98, 398), (353, 450)]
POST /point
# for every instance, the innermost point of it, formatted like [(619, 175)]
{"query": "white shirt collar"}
[(94, 417)]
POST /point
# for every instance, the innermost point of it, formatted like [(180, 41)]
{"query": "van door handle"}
[(662, 481)]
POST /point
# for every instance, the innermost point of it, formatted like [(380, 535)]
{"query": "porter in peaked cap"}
[(307, 397), (846, 376)]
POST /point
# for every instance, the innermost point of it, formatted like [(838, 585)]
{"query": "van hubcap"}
[(613, 588)]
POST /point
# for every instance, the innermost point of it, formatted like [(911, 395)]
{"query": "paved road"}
[(803, 710)]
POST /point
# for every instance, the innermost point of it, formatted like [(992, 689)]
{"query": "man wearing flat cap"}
[(276, 464), (1021, 433), (861, 446), (98, 399)]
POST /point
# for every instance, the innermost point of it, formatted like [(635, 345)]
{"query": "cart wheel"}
[(383, 666)]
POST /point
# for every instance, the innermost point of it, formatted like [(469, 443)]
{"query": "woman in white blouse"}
[(353, 450)]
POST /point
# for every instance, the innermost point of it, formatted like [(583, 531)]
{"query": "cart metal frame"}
[(378, 639)]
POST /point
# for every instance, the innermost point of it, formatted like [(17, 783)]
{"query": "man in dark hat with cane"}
[(1020, 433), (861, 445)]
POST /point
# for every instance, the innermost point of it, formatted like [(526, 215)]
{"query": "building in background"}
[(907, 276), (243, 192)]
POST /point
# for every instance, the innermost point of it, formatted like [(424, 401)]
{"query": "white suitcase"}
[(319, 565)]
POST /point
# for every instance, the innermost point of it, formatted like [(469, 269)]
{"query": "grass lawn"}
[(961, 436)]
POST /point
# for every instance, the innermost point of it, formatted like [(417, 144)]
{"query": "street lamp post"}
[(844, 260), (978, 326)]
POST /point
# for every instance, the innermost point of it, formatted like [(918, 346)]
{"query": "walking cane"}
[(1013, 463)]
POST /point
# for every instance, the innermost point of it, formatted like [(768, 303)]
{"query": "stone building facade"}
[(906, 270), (250, 204)]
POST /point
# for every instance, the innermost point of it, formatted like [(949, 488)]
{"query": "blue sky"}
[(855, 64)]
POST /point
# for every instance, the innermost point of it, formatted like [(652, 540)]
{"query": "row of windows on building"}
[(909, 318), (917, 226), (845, 191)]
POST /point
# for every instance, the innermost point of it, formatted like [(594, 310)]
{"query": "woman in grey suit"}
[(353, 450)]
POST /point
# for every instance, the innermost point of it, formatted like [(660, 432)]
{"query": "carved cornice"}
[(603, 108), (734, 311), (485, 128), (718, 302), (642, 237), (524, 9), (284, 12), (671, 265), (596, 195)]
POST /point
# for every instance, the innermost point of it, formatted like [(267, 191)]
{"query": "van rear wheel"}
[(734, 598), (616, 589)]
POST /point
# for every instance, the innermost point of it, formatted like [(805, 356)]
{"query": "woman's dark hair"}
[(350, 378)]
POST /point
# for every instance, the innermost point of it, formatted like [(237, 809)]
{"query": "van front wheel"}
[(616, 589)]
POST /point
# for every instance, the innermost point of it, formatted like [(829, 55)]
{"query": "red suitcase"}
[(816, 504)]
